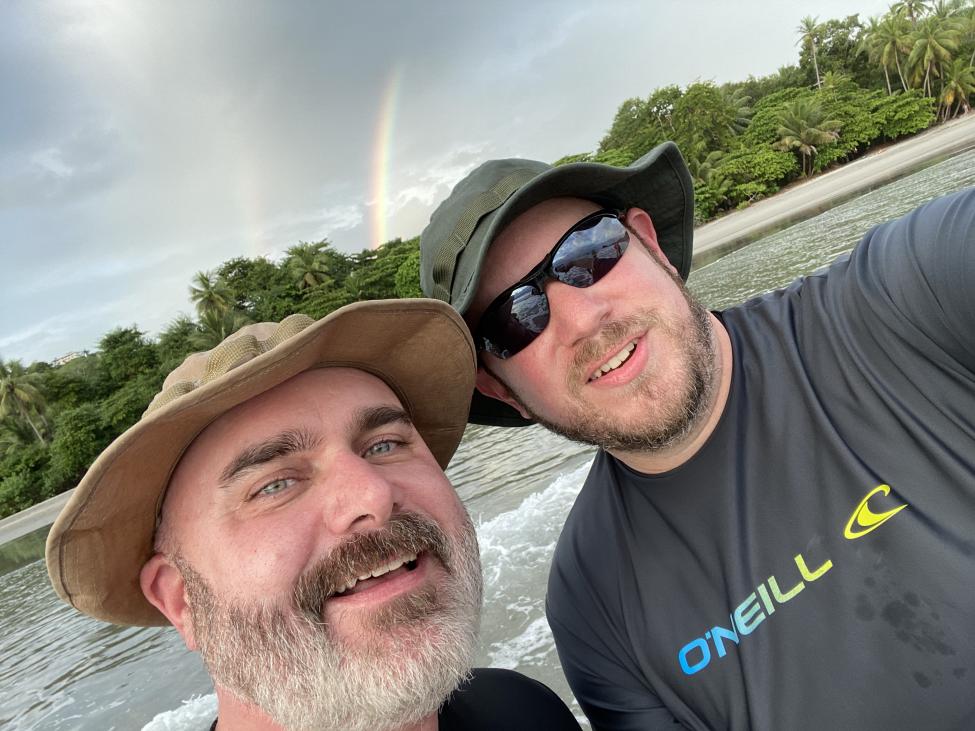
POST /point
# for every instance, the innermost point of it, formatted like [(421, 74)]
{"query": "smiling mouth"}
[(615, 362), (403, 564)]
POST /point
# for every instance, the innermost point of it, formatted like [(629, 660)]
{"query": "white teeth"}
[(377, 572), (615, 362)]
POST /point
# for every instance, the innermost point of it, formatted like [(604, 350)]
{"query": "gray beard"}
[(408, 658), (672, 416)]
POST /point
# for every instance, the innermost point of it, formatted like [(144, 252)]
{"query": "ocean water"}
[(62, 671)]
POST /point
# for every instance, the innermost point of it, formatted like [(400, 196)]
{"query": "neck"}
[(663, 460), (234, 713)]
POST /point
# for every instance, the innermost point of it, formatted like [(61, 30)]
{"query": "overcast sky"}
[(142, 142)]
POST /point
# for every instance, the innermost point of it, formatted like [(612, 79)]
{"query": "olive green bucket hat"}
[(461, 229), (104, 534)]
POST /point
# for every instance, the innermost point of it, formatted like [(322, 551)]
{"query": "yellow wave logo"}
[(865, 520)]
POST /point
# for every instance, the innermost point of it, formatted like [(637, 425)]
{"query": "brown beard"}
[(407, 656), (670, 416)]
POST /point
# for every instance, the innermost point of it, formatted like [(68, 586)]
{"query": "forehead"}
[(523, 243), (323, 401)]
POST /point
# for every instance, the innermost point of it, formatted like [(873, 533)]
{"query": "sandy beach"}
[(730, 232), (803, 200)]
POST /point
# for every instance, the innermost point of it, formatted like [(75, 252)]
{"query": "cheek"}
[(265, 560)]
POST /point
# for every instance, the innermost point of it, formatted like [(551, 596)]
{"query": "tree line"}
[(54, 420), (856, 84)]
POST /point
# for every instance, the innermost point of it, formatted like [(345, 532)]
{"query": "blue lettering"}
[(748, 615), (700, 644)]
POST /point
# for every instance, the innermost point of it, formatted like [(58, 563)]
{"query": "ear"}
[(640, 222), (162, 584), (493, 388)]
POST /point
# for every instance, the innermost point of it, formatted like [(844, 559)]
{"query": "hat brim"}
[(104, 534)]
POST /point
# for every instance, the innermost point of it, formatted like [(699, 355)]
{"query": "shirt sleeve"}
[(920, 271), (606, 690), (596, 659)]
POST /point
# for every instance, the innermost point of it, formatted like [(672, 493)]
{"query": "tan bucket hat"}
[(104, 534)]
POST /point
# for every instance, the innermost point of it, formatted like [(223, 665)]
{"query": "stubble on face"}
[(408, 655), (673, 407)]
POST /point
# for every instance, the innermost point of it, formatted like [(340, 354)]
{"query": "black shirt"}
[(502, 700), (813, 565)]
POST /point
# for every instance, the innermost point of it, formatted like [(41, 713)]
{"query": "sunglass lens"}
[(588, 253), (516, 322)]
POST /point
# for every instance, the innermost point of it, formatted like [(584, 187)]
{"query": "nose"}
[(577, 313), (358, 496)]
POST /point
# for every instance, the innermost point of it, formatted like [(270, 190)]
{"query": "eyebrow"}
[(295, 441), (375, 417), (287, 442)]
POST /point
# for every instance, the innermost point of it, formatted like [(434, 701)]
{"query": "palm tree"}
[(215, 326), (739, 104), (959, 84), (911, 9), (808, 30), (934, 42), (210, 294), (14, 434), (886, 41), (965, 16), (802, 128), (307, 266), (19, 397)]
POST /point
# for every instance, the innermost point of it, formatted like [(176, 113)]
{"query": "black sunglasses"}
[(583, 256)]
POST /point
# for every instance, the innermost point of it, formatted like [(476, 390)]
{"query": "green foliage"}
[(80, 435), (803, 127), (175, 343), (904, 114), (125, 353), (210, 293), (616, 158), (838, 49), (260, 289), (756, 172), (852, 107), (408, 276), (638, 127), (578, 157), (73, 384), (124, 407), (21, 484), (764, 128), (703, 116)]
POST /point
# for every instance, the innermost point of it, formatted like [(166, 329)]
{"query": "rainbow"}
[(382, 147)]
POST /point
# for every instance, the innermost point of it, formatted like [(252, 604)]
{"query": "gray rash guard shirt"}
[(813, 565)]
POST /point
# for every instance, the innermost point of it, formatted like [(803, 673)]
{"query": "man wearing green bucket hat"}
[(282, 503), (776, 532)]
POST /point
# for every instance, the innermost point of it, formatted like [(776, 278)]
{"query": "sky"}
[(141, 142)]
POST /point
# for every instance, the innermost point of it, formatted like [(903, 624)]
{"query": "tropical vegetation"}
[(857, 84)]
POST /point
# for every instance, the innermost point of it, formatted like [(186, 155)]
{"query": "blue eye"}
[(274, 487), (382, 447)]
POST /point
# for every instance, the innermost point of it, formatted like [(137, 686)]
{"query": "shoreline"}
[(811, 197), (721, 236)]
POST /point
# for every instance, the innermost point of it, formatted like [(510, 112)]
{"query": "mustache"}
[(404, 533), (609, 335)]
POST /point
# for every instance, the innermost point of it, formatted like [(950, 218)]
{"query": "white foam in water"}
[(532, 645), (524, 538), (516, 551), (196, 713)]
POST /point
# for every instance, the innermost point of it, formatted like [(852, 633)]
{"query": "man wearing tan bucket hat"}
[(282, 503)]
